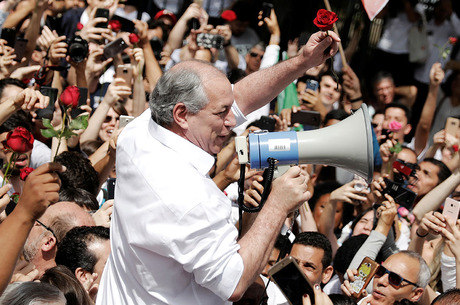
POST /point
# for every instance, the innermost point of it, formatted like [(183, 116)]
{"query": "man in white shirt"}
[(172, 240)]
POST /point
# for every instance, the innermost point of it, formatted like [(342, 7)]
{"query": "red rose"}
[(24, 172), (455, 147), (70, 96), (453, 40), (115, 25), (19, 140), (325, 19), (133, 38), (79, 26), (228, 15)]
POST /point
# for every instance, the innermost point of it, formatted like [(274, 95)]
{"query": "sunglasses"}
[(253, 54), (47, 228), (109, 119), (394, 279)]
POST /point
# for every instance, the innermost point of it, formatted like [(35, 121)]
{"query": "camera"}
[(209, 41), (77, 49)]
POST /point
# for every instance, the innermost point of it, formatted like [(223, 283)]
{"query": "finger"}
[(306, 300), (49, 167)]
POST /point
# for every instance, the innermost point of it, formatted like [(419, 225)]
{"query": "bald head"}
[(65, 215)]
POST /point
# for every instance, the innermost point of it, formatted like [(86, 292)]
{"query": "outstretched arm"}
[(271, 81)]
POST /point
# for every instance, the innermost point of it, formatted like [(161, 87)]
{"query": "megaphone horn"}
[(347, 144)]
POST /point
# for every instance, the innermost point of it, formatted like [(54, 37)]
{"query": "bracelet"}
[(418, 234), (356, 99)]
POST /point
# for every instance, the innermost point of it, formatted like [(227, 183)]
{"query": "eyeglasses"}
[(394, 279), (110, 118), (47, 228), (254, 54)]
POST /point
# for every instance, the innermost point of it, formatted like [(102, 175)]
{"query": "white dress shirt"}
[(172, 240)]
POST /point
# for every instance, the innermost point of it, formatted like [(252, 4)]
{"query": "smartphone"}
[(451, 208), (266, 10), (10, 207), (312, 84), (20, 48), (126, 24), (124, 120), (9, 35), (102, 12), (54, 23), (82, 101), (47, 113), (126, 73), (402, 196), (305, 117), (366, 271), (291, 280), (402, 168), (453, 126), (115, 47), (111, 188)]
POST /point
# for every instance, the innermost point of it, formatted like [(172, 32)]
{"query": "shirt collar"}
[(197, 157)]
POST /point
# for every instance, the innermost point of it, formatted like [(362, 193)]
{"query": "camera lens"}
[(78, 49)]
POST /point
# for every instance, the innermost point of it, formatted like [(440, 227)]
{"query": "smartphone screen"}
[(82, 101), (115, 47), (305, 117), (312, 84), (102, 12), (126, 24), (111, 188), (20, 48), (47, 113), (9, 35), (291, 281)]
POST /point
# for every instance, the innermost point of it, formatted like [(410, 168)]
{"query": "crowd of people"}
[(120, 177)]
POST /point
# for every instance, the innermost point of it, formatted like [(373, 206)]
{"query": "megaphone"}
[(347, 144)]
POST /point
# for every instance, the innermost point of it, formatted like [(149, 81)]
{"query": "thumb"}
[(306, 300)]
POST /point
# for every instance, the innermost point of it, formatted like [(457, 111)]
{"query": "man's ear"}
[(416, 294), (48, 243), (180, 115), (407, 129), (327, 274)]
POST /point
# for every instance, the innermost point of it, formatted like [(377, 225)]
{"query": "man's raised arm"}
[(259, 88)]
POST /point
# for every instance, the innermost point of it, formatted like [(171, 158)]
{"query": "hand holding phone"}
[(266, 10), (291, 280), (104, 13), (115, 47), (366, 271)]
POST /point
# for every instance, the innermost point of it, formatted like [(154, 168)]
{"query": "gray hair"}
[(177, 85), (424, 273), (30, 293)]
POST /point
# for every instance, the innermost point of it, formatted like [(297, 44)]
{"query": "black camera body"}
[(77, 49)]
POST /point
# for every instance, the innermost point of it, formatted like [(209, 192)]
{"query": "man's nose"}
[(230, 120)]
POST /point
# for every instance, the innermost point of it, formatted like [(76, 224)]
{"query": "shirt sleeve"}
[(239, 116), (448, 272)]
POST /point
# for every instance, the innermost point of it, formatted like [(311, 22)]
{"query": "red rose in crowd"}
[(79, 26), (228, 15), (325, 19), (24, 172), (455, 147), (453, 40), (70, 96), (133, 38), (395, 126), (115, 25), (19, 140)]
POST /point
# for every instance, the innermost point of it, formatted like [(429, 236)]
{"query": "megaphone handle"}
[(267, 182)]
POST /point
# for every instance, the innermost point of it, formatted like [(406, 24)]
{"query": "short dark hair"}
[(406, 110), (329, 73), (79, 174), (341, 299), (451, 296), (62, 278), (319, 241), (336, 114), (73, 251), (19, 118), (10, 82), (283, 244), (381, 75), (80, 196), (321, 189), (443, 173), (347, 252)]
